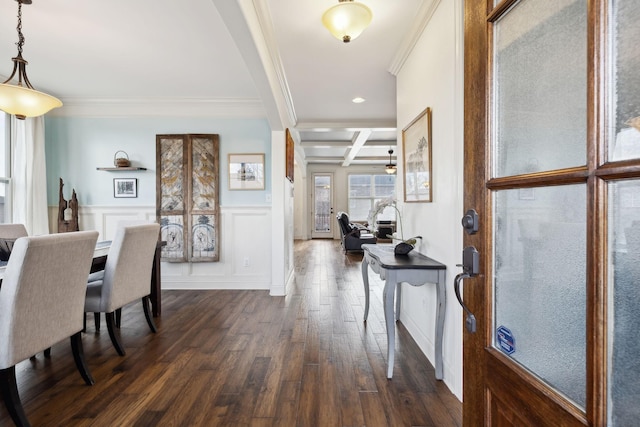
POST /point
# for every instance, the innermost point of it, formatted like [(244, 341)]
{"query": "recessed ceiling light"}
[(358, 100)]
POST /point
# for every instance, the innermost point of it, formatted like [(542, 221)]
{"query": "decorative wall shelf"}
[(127, 168)]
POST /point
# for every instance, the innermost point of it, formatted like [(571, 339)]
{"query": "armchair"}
[(353, 236)]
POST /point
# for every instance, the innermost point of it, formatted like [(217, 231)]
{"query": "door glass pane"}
[(539, 88), (624, 140), (624, 300), (540, 283), (322, 202)]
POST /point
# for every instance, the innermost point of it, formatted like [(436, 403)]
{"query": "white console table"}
[(415, 269)]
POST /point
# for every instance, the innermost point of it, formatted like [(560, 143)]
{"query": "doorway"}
[(322, 213)]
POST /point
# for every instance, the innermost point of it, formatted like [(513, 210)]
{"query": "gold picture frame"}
[(416, 150)]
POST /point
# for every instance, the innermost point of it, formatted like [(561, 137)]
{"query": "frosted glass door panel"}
[(539, 87), (624, 298), (322, 204), (624, 141), (540, 283)]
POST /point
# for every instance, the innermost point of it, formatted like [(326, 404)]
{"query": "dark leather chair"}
[(353, 236)]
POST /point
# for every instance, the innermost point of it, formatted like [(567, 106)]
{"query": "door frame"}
[(319, 234)]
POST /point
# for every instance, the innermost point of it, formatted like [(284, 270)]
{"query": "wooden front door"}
[(552, 167)]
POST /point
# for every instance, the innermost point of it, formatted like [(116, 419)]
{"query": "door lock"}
[(470, 221)]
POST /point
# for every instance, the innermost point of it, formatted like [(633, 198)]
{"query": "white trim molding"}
[(245, 253)]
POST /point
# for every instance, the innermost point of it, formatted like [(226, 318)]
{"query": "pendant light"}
[(21, 99), (347, 20), (390, 168)]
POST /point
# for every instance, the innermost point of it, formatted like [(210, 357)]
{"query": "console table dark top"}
[(383, 253)]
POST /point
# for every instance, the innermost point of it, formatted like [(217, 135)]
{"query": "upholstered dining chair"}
[(127, 277), (8, 234), (41, 303)]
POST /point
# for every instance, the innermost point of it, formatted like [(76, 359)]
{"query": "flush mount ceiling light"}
[(21, 99), (347, 20), (390, 168)]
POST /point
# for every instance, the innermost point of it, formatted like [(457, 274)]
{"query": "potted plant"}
[(403, 247)]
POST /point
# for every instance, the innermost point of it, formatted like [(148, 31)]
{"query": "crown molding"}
[(425, 13), (159, 107), (260, 23)]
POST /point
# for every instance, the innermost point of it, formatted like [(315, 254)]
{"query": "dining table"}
[(100, 254)]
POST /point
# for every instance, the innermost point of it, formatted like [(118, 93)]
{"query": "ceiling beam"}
[(359, 139)]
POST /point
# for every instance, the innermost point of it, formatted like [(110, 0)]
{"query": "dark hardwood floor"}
[(244, 358)]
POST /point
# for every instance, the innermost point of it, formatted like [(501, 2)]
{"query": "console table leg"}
[(365, 280), (389, 317), (441, 302), (398, 300)]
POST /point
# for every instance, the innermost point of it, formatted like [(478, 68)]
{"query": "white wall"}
[(432, 77), (300, 203), (76, 146)]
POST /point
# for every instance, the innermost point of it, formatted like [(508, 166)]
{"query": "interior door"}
[(552, 148), (323, 219)]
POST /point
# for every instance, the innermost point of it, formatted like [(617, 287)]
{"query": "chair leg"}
[(118, 317), (47, 352), (96, 321), (78, 356), (147, 314), (12, 398), (115, 339)]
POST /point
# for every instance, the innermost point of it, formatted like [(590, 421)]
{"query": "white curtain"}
[(29, 175)]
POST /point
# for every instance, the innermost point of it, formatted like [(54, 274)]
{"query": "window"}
[(365, 191), (5, 170)]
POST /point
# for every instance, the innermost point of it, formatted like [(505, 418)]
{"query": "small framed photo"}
[(246, 171), (125, 187)]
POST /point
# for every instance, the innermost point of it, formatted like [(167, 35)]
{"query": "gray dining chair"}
[(8, 234), (41, 303), (127, 277)]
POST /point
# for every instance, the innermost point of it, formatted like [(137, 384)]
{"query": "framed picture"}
[(289, 155), (416, 146), (246, 171), (125, 187)]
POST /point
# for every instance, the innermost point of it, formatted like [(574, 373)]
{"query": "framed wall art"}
[(416, 146), (125, 187), (289, 155), (246, 171)]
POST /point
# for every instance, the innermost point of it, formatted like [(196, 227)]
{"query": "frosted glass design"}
[(540, 283), (624, 137), (540, 87), (624, 302), (322, 203)]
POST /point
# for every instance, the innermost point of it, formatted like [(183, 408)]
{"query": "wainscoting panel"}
[(245, 252)]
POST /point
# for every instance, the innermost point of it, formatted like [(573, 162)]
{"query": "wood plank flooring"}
[(244, 358)]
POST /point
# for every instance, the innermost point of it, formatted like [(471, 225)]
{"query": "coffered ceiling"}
[(268, 58)]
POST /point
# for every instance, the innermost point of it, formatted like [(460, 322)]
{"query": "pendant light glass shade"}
[(24, 102), (347, 20), (390, 168), (21, 99)]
